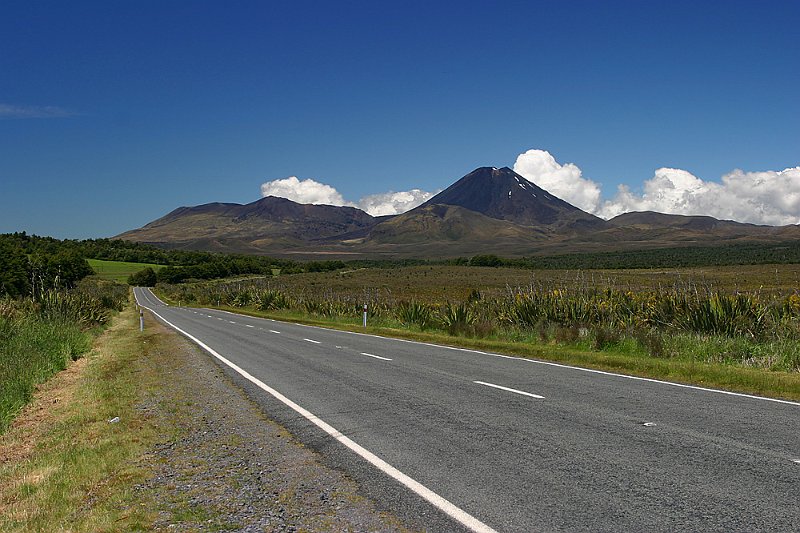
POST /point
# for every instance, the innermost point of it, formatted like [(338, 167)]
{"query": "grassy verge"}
[(41, 335), (31, 351), (63, 464), (614, 358)]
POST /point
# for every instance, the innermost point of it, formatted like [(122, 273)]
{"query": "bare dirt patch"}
[(18, 442)]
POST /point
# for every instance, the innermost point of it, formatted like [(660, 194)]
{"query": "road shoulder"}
[(192, 451)]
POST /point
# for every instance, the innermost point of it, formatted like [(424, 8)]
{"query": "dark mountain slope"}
[(266, 221), (503, 194), (437, 223)]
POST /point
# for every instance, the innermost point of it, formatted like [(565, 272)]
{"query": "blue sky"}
[(113, 113)]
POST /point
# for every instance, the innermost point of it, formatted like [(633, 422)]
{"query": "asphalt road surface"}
[(457, 439)]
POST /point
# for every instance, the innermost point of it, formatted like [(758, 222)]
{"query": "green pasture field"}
[(118, 270)]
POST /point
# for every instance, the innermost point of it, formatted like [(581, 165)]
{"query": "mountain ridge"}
[(488, 210)]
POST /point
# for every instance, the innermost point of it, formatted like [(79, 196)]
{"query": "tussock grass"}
[(697, 334), (625, 357)]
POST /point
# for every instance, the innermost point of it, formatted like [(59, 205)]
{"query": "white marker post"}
[(365, 316), (141, 320)]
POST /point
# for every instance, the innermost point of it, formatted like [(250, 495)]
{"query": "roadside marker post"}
[(141, 320), (365, 316)]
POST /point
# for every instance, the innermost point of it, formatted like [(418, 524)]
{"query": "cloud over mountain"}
[(306, 191), (393, 203), (565, 181), (762, 197), (766, 197), (309, 191)]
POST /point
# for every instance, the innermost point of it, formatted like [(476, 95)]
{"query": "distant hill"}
[(270, 222), (657, 227), (653, 220), (490, 210)]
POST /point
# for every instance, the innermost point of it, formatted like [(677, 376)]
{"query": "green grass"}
[(40, 336), (32, 350), (118, 270), (71, 469)]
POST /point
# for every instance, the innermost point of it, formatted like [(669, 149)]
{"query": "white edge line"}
[(515, 391), (376, 356), (538, 362), (159, 300), (418, 488)]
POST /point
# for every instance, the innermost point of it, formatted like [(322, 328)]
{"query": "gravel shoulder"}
[(221, 464)]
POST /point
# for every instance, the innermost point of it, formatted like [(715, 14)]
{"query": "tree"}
[(144, 278), (488, 260), (13, 270)]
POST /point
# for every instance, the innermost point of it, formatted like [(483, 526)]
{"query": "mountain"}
[(269, 222), (653, 220), (490, 210), (639, 226), (502, 194)]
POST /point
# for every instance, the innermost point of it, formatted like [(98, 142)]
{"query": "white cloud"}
[(670, 190), (564, 181), (393, 203), (8, 111), (766, 197), (309, 191)]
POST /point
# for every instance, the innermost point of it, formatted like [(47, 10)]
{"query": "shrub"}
[(457, 318), (146, 277), (567, 334), (271, 299), (652, 341), (414, 313), (605, 337)]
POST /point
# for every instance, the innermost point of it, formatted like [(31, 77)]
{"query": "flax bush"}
[(605, 317)]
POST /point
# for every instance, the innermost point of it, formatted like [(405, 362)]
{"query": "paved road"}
[(515, 444)]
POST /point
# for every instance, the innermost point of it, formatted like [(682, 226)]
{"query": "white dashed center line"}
[(376, 356), (311, 340), (278, 332), (249, 326), (515, 391)]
